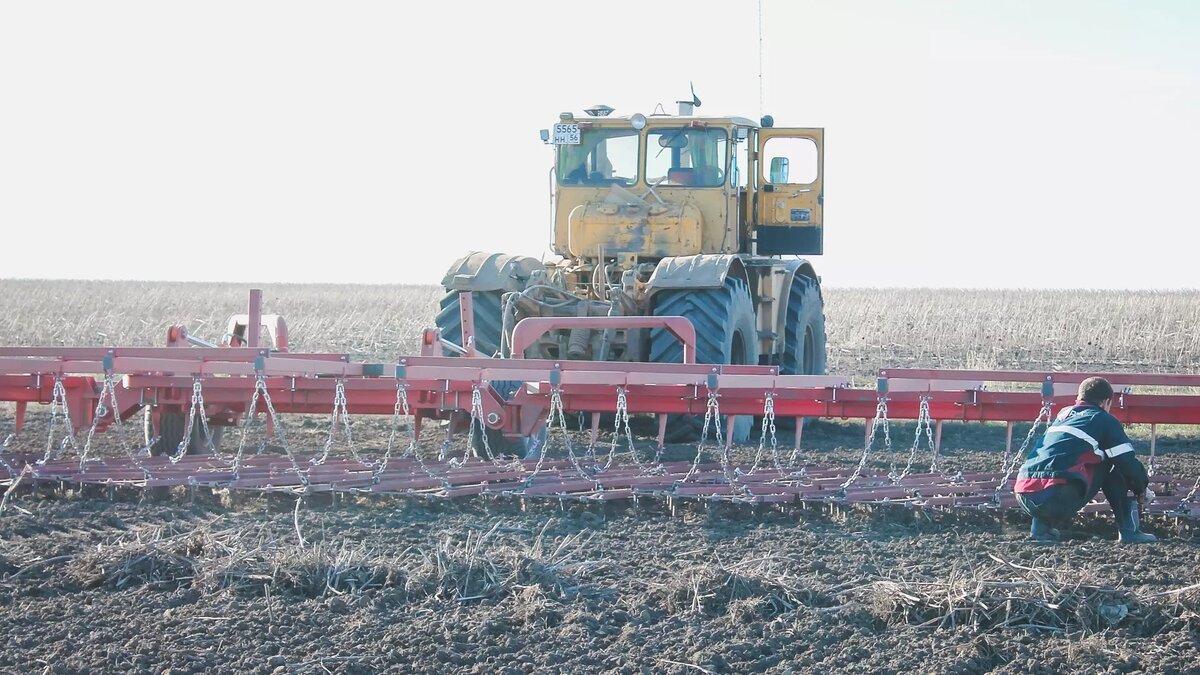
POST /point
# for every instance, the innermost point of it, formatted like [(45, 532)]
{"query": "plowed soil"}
[(221, 583)]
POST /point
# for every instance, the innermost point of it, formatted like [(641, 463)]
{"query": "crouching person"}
[(1084, 450)]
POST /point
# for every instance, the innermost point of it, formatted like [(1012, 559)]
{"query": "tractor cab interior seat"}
[(681, 176)]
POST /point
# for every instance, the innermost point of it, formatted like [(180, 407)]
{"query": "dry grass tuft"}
[(759, 588), (151, 557), (482, 566), (1015, 596)]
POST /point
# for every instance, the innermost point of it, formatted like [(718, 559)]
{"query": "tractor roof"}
[(659, 119)]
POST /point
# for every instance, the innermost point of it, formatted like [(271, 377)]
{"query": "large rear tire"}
[(726, 333), (488, 316)]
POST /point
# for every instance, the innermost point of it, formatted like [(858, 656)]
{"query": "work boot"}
[(1041, 531), (1129, 528)]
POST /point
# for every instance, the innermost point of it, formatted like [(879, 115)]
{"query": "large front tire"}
[(726, 333)]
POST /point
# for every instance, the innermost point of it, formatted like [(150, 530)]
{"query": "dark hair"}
[(1095, 390)]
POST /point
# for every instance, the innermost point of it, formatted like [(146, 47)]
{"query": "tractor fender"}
[(792, 268), (481, 271), (694, 271)]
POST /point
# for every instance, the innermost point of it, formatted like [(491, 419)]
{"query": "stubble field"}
[(384, 584)]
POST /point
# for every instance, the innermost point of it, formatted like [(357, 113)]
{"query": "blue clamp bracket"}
[(555, 377), (881, 386), (1048, 390)]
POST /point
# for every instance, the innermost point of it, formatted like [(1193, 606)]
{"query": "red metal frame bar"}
[(305, 383), (528, 330), (1126, 379)]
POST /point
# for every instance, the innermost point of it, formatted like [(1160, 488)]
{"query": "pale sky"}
[(974, 143)]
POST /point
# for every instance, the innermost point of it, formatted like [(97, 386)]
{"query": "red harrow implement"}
[(188, 392)]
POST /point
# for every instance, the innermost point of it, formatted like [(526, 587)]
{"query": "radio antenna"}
[(760, 59)]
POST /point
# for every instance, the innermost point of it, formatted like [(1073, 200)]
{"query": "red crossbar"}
[(305, 383)]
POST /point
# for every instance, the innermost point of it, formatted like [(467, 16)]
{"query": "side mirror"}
[(741, 133), (779, 169), (545, 134)]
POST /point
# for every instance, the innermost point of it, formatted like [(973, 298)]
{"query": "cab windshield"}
[(602, 157), (686, 156)]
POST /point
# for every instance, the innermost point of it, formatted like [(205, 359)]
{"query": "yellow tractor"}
[(665, 215)]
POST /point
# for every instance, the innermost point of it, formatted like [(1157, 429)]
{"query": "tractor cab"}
[(651, 187)]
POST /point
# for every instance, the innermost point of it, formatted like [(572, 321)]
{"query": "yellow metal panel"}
[(650, 231), (791, 204)]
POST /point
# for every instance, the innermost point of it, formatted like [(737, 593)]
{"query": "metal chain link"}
[(1044, 415), (3, 462), (339, 415), (445, 449), (401, 408), (621, 426), (924, 424), (477, 419), (196, 409), (98, 413), (58, 408), (768, 412), (556, 404), (260, 391), (712, 411), (589, 452), (1192, 495), (881, 417), (1152, 467), (768, 432)]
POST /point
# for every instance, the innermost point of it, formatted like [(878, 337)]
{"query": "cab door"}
[(789, 202)]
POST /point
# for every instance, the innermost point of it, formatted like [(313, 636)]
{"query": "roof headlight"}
[(637, 121)]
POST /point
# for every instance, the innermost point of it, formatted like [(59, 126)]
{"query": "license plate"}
[(566, 134)]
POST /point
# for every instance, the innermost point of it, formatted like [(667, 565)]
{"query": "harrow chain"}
[(621, 426), (924, 427), (478, 419), (401, 408), (340, 415), (12, 473), (556, 408), (260, 391), (196, 409), (712, 419), (1044, 415), (59, 409), (881, 419), (98, 413), (1191, 496)]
